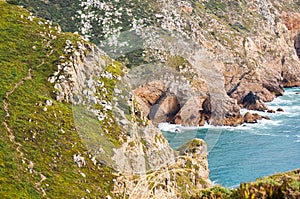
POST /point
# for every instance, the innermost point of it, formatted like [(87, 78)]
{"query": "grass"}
[(22, 46), (282, 185), (50, 138)]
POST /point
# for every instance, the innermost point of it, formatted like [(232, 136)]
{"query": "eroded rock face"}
[(191, 114), (171, 181), (139, 148), (165, 110), (253, 102)]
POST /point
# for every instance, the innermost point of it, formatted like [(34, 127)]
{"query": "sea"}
[(247, 152)]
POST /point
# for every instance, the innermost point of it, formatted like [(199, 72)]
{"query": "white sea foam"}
[(298, 140), (175, 128)]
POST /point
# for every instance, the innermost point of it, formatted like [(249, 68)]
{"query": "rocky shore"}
[(98, 137)]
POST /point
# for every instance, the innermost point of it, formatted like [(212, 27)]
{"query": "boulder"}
[(280, 110), (252, 118)]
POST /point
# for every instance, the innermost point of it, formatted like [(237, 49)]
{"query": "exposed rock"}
[(229, 114), (151, 92), (271, 111), (196, 152), (252, 118), (280, 110), (49, 102), (73, 79), (79, 160), (191, 114), (187, 174), (252, 102), (291, 20), (165, 110)]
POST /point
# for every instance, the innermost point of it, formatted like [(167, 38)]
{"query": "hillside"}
[(75, 123), (62, 141), (250, 47), (38, 141)]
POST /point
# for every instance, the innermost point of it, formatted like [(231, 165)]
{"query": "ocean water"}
[(247, 152)]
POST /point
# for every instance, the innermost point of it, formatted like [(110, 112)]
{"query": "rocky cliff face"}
[(201, 61), (254, 45), (136, 147), (71, 126)]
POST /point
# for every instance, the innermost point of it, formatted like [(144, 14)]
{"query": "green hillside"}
[(39, 138), (37, 146)]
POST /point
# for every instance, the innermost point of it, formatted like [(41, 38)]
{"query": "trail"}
[(12, 135)]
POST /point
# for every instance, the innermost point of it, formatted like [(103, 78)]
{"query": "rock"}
[(266, 117), (235, 121), (252, 118), (271, 111), (252, 102), (79, 160), (280, 110), (151, 92), (165, 110), (224, 111), (195, 148), (190, 167), (291, 20), (191, 113), (49, 102)]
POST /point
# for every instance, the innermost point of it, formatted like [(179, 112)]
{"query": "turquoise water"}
[(244, 153)]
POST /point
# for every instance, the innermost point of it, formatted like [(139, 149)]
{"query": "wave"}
[(176, 128), (298, 140), (269, 134)]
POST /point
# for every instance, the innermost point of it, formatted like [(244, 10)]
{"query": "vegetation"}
[(283, 185), (38, 142), (45, 140)]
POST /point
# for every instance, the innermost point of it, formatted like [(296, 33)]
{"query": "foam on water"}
[(246, 152)]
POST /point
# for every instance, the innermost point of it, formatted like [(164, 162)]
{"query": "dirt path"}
[(12, 135)]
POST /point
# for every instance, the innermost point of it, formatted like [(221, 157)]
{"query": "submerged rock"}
[(280, 110)]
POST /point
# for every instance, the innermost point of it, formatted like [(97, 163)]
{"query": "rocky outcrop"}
[(165, 110), (73, 79), (252, 118), (147, 95), (188, 174), (253, 102), (282, 185), (191, 114), (127, 141)]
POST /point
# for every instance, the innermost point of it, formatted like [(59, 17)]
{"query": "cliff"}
[(75, 122), (246, 47), (71, 128)]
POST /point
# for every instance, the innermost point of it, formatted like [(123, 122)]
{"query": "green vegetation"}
[(56, 10), (38, 162), (283, 185), (47, 140)]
